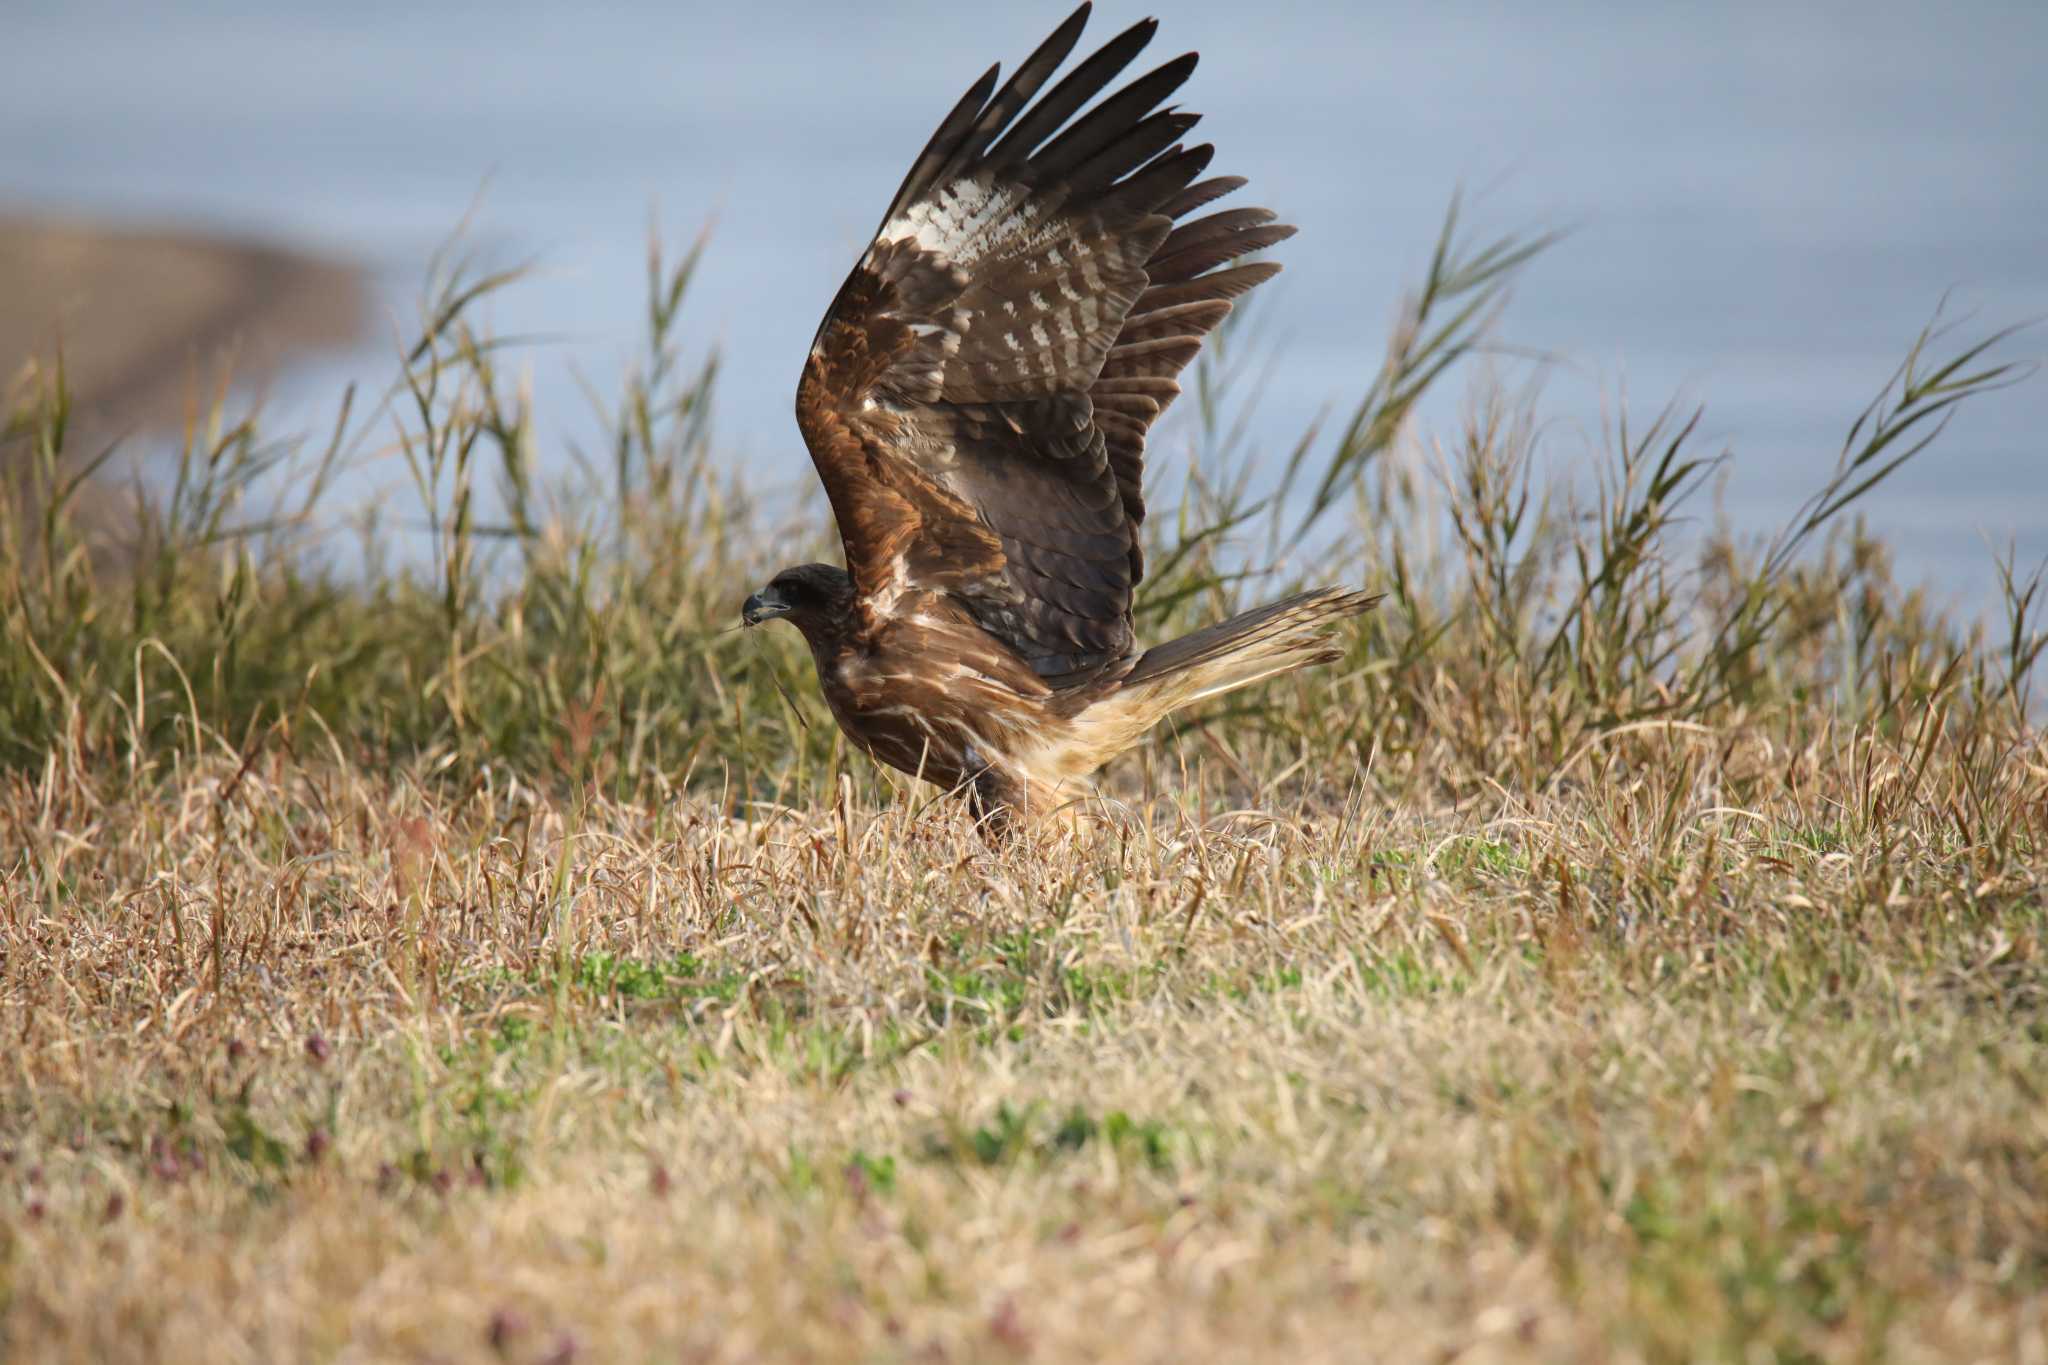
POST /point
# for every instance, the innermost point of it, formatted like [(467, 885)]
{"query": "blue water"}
[(1767, 202)]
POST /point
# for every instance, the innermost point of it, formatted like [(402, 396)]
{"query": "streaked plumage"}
[(977, 401)]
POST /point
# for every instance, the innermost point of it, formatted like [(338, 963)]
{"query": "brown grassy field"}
[(1633, 950)]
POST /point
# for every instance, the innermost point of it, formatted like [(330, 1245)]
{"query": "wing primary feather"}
[(1152, 356), (1194, 320), (1134, 148), (924, 171), (1156, 179), (1214, 250), (1111, 119), (1079, 86), (1223, 284), (1150, 385), (1202, 191), (1017, 92), (1216, 224)]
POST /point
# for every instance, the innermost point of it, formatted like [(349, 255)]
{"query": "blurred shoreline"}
[(151, 320)]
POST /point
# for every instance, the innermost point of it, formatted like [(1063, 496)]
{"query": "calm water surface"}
[(1768, 201)]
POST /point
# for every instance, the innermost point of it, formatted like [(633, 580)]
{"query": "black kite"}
[(976, 402)]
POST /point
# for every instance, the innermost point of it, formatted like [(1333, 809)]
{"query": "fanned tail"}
[(1277, 638), (1250, 647)]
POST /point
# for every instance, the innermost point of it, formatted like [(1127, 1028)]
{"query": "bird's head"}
[(810, 595)]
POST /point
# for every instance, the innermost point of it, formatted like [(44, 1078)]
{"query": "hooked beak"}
[(764, 605)]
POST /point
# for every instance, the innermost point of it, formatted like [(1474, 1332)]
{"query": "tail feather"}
[(1277, 638)]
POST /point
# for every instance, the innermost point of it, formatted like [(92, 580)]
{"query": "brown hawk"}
[(976, 402)]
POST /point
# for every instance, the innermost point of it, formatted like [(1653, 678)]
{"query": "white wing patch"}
[(965, 221)]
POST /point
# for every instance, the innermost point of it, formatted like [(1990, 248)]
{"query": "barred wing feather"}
[(978, 397)]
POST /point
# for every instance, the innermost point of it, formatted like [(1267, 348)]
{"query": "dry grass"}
[(307, 1062), (1612, 959)]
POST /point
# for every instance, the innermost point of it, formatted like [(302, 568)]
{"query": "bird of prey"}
[(976, 402)]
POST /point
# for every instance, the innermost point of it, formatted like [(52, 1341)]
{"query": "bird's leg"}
[(994, 796)]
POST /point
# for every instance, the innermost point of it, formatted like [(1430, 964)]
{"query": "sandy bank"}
[(147, 317)]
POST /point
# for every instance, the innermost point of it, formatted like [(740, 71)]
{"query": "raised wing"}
[(978, 396)]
